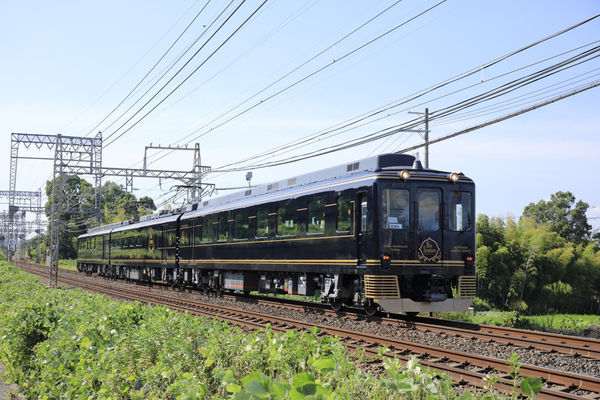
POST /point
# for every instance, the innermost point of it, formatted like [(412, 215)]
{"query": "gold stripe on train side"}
[(260, 261)]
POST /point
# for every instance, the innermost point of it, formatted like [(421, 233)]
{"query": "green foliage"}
[(68, 264), (71, 344), (565, 217), (544, 262), (568, 323), (480, 304), (78, 197)]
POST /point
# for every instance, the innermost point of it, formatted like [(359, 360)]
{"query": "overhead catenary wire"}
[(379, 134), (191, 74), (157, 79), (490, 94), (518, 100), (538, 105), (304, 78), (150, 70), (478, 69), (190, 59), (405, 100), (346, 124), (129, 70), (506, 117), (548, 71)]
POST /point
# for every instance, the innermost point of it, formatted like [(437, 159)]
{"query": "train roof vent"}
[(190, 207), (352, 167)]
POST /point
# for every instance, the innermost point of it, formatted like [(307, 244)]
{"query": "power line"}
[(348, 124), (506, 117), (214, 21), (485, 96), (352, 121), (262, 101), (150, 70), (190, 75), (129, 70)]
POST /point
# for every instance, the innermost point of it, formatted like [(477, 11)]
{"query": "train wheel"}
[(337, 305), (370, 309)]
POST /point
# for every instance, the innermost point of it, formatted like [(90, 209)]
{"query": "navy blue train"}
[(379, 233)]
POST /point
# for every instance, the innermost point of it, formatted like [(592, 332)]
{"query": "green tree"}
[(77, 202), (118, 205), (563, 214)]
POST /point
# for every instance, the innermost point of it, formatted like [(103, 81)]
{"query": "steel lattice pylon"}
[(20, 201), (70, 152), (75, 155)]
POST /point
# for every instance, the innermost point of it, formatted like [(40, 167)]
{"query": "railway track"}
[(544, 341), (463, 368)]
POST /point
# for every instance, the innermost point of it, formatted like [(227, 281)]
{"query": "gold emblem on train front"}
[(429, 251)]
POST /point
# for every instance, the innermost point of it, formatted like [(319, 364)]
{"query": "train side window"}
[(186, 235), (316, 216), (287, 217), (223, 228), (429, 210), (460, 212), (262, 223), (208, 229), (395, 204), (344, 214), (240, 225), (198, 231)]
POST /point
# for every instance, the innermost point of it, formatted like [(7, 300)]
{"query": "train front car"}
[(425, 236)]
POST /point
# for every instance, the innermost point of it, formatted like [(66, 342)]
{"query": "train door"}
[(361, 229), (428, 209)]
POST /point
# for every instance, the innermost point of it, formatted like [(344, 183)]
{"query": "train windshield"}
[(428, 202), (396, 214), (395, 205)]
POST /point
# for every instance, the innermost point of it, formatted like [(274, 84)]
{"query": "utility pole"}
[(427, 138), (425, 135)]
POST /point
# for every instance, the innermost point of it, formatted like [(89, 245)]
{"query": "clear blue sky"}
[(66, 64)]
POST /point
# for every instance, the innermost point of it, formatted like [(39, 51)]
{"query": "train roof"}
[(303, 184), (349, 172), (371, 164)]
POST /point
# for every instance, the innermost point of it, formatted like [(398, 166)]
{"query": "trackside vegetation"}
[(70, 344)]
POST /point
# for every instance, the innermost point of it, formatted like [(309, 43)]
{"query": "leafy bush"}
[(480, 304), (71, 344)]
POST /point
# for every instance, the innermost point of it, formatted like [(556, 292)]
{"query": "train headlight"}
[(454, 177), (405, 175)]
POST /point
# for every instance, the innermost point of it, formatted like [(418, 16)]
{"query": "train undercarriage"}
[(388, 293)]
